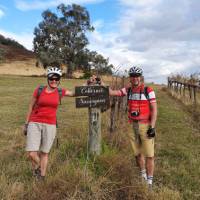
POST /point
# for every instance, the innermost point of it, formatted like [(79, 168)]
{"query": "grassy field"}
[(113, 174)]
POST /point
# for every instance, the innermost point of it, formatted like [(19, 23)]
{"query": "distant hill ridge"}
[(11, 50)]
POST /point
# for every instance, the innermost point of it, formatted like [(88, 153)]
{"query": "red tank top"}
[(46, 106)]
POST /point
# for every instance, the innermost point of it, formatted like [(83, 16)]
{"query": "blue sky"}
[(161, 36)]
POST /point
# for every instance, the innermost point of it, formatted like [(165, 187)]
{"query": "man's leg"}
[(150, 169), (148, 151), (140, 160), (135, 141), (150, 166)]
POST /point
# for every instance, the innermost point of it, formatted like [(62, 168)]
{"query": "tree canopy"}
[(100, 64), (61, 39)]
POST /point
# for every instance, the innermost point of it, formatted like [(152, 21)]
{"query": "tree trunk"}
[(69, 72)]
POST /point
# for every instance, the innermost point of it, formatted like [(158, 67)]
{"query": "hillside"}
[(12, 53), (12, 50), (112, 175), (16, 59)]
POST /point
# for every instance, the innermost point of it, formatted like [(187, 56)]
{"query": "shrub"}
[(86, 75)]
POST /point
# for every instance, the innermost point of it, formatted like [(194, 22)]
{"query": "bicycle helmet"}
[(54, 71), (135, 71)]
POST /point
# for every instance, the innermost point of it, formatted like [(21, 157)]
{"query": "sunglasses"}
[(135, 75), (54, 79)]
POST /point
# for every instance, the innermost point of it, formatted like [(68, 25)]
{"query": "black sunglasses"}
[(135, 75), (54, 79)]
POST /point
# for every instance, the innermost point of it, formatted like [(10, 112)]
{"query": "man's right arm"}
[(119, 93)]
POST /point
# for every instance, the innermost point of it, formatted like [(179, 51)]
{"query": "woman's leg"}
[(35, 159), (33, 140), (43, 163), (48, 135)]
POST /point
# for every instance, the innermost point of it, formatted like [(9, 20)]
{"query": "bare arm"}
[(115, 92), (69, 93), (153, 107), (119, 92), (30, 108)]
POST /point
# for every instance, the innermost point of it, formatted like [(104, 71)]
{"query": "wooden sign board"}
[(92, 91), (92, 102)]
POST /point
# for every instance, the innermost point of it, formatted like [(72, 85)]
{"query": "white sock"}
[(143, 174), (150, 180)]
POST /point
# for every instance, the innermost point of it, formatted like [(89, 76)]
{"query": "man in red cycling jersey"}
[(142, 113)]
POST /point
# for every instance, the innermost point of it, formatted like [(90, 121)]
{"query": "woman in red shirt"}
[(40, 124)]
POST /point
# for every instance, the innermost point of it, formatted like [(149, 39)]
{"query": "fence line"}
[(184, 89)]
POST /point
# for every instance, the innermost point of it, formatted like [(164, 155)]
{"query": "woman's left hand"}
[(25, 128)]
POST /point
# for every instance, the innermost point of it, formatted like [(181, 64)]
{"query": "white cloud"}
[(41, 4), (1, 13), (98, 24), (139, 3), (161, 36), (24, 38)]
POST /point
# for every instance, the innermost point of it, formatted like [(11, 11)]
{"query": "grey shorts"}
[(40, 137)]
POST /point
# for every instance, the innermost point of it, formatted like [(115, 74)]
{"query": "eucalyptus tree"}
[(61, 38)]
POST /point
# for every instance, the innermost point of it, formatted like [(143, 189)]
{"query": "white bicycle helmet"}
[(54, 71), (135, 71)]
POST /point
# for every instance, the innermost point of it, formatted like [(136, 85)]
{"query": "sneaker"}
[(37, 172), (143, 175), (144, 178), (40, 178)]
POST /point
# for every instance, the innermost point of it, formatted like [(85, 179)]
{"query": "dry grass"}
[(28, 68), (113, 174), (23, 68)]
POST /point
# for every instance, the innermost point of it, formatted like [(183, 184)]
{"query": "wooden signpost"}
[(97, 97)]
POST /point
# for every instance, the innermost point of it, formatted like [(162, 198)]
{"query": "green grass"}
[(178, 148), (113, 174)]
